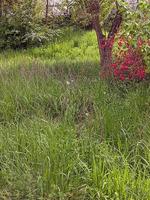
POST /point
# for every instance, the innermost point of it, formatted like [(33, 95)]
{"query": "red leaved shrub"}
[(129, 64)]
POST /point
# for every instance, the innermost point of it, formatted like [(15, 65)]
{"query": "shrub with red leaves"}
[(129, 64)]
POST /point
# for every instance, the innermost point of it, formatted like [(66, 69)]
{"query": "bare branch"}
[(115, 24)]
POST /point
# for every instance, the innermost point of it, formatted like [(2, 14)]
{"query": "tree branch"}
[(93, 8), (115, 24)]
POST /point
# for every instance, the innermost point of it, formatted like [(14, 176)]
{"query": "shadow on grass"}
[(41, 89), (58, 71)]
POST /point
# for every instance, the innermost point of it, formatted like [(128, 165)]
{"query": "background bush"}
[(21, 25)]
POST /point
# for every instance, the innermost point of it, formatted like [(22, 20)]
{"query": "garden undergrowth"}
[(64, 133)]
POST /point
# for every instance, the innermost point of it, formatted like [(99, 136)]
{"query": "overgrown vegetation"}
[(64, 134), (107, 18), (22, 25)]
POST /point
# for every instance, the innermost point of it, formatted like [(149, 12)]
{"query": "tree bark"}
[(46, 12), (106, 61), (105, 44), (1, 8), (105, 48)]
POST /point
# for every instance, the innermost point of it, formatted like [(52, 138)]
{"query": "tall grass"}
[(64, 134)]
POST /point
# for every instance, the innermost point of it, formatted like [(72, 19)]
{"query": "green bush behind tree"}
[(22, 25)]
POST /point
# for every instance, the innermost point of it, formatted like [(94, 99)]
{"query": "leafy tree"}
[(96, 12), (106, 17)]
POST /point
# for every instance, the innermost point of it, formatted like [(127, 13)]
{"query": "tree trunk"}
[(106, 61), (46, 12), (105, 51), (105, 43), (1, 8)]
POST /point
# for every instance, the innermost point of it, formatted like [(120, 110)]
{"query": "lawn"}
[(64, 133)]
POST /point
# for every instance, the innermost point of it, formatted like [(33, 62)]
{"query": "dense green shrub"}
[(21, 25)]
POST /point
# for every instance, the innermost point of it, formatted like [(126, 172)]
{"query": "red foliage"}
[(129, 64)]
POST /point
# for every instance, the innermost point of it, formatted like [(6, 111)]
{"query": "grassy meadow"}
[(64, 133)]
